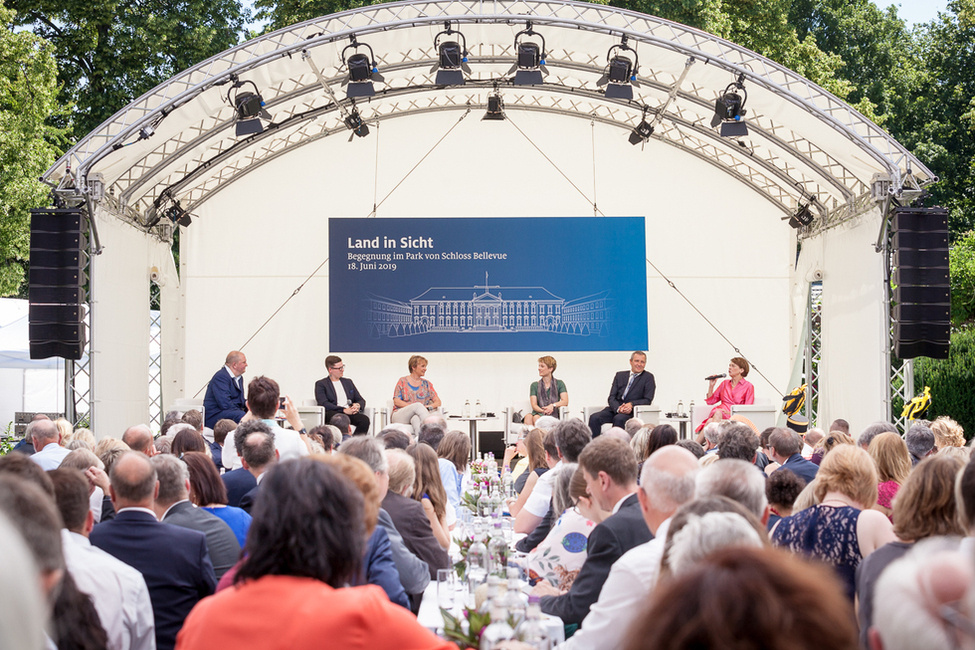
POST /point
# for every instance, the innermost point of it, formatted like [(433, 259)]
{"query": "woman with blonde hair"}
[(429, 491), (830, 442), (841, 529), (947, 433), (414, 398), (889, 452)]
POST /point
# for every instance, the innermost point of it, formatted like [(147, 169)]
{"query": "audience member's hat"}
[(798, 423)]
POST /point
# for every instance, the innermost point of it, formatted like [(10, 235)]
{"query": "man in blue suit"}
[(174, 561), (785, 445), (629, 389), (225, 392)]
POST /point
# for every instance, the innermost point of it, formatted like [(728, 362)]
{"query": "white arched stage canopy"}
[(252, 269)]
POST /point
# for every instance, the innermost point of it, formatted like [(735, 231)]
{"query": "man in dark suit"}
[(173, 506), (408, 515), (609, 467), (258, 454), (339, 395), (633, 388), (784, 446), (225, 392), (174, 561)]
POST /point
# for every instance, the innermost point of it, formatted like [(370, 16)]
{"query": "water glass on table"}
[(446, 587)]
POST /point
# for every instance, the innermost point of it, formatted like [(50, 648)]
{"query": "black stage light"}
[(355, 124), (177, 214), (620, 73), (641, 133), (530, 58), (452, 57), (362, 71), (495, 109), (803, 217), (249, 107), (729, 109)]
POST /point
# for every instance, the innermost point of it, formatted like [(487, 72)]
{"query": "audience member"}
[(737, 480), (47, 443), (453, 451), (93, 469), (429, 491), (189, 440), (871, 432), (118, 591), (929, 596), (414, 574), (173, 561), (221, 430), (666, 483), (711, 431), (702, 527), (947, 433), (307, 542), (633, 425), (22, 607), (262, 403), (395, 439), (809, 441), (139, 438), (738, 441), (784, 447), (889, 453), (560, 556), (841, 529), (84, 435), (920, 442), (925, 507), (322, 436), (259, 454), (694, 447), (609, 466), (26, 444), (342, 422), (164, 444), (661, 436), (543, 455), (782, 489), (408, 515), (431, 434), (22, 466), (109, 450), (840, 424), (240, 481), (749, 598), (209, 494)]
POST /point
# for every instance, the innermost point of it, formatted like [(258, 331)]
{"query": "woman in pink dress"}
[(732, 391)]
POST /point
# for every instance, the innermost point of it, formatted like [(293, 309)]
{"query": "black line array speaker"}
[(57, 315), (922, 295)]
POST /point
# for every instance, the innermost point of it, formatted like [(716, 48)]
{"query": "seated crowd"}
[(248, 533)]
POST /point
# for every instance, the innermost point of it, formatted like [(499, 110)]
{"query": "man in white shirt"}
[(666, 483), (47, 442), (118, 591), (263, 396)]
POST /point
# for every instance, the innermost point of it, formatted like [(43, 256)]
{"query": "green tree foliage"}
[(951, 380), (28, 145), (961, 260), (111, 51)]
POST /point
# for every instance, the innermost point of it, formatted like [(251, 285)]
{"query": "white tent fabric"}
[(14, 347)]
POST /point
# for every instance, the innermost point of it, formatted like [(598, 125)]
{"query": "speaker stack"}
[(922, 293), (57, 314)]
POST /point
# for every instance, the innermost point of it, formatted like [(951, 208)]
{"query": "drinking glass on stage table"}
[(446, 587)]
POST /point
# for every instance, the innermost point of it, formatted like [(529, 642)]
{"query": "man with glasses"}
[(339, 395)]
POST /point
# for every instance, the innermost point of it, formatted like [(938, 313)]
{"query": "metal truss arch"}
[(179, 136)]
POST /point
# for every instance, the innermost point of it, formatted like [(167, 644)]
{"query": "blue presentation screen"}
[(487, 284)]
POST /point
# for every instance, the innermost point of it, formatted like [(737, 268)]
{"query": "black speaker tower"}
[(57, 314), (922, 292)]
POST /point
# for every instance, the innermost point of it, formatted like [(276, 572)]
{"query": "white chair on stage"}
[(649, 413), (310, 411), (762, 413), (525, 408)]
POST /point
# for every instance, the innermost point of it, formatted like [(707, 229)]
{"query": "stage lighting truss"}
[(353, 121), (249, 107), (362, 71), (452, 53), (530, 64), (620, 75), (495, 106), (729, 109)]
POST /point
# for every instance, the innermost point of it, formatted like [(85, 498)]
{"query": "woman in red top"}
[(732, 391)]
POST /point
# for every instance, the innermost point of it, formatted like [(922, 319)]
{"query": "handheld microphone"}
[(715, 377)]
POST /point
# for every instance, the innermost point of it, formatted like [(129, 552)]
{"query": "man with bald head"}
[(666, 483), (225, 392), (174, 561), (139, 438), (47, 444)]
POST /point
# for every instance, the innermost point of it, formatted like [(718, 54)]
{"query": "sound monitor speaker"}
[(56, 321), (922, 300)]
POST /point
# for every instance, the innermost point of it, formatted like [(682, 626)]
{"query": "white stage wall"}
[(253, 244)]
